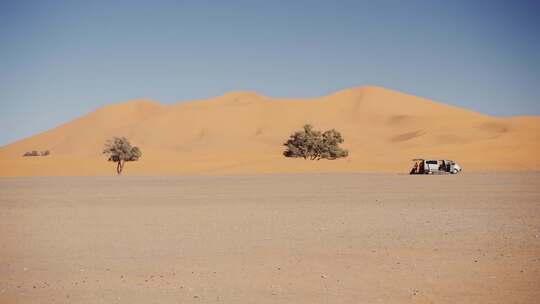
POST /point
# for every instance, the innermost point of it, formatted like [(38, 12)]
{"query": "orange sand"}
[(243, 132)]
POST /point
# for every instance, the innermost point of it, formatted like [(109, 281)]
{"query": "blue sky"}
[(62, 59)]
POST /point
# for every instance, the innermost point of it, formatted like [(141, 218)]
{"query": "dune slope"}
[(243, 132)]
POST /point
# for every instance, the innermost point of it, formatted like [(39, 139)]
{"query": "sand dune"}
[(243, 132)]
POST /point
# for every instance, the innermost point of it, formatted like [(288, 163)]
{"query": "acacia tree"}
[(302, 143), (120, 151), (330, 145), (312, 144)]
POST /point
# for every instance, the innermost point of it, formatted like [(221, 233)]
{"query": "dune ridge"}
[(243, 132)]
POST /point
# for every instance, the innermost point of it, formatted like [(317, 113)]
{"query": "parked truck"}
[(431, 166)]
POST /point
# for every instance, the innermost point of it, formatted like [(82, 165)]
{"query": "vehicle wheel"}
[(455, 171)]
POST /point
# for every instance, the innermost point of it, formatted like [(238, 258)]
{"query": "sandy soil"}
[(243, 133), (328, 238)]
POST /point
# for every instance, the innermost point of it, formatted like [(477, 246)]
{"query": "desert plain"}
[(296, 238)]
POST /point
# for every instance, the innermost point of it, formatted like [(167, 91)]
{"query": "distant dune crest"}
[(243, 132)]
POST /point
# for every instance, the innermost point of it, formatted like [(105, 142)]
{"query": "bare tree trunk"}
[(119, 167)]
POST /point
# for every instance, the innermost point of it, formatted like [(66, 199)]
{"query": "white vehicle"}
[(443, 166)]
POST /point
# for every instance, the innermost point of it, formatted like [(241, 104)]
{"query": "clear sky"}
[(62, 59)]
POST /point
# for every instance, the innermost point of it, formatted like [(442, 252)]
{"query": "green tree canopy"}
[(313, 144)]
